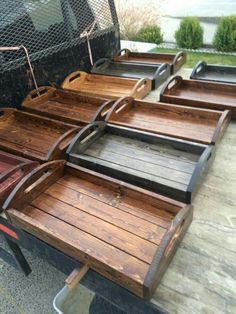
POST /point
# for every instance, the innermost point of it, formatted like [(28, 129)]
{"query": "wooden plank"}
[(134, 163), (73, 214), (107, 212), (150, 210), (144, 153), (102, 257)]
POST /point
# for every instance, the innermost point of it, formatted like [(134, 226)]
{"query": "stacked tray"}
[(192, 124), (127, 234), (108, 87), (196, 93), (175, 61), (157, 73), (12, 170), (157, 163), (33, 136), (64, 105), (214, 73)]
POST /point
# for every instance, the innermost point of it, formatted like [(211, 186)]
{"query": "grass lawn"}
[(194, 57)]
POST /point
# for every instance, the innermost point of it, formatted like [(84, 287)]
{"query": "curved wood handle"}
[(25, 168), (167, 248), (5, 113), (37, 93), (103, 111), (34, 184), (100, 62), (121, 105), (174, 81), (59, 146), (122, 54), (161, 70), (199, 66), (179, 57), (77, 75), (85, 137), (203, 164), (139, 86)]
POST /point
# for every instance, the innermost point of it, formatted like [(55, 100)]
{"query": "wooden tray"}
[(66, 106), (175, 61), (157, 73), (160, 164), (12, 170), (195, 93), (106, 86), (122, 232), (197, 125), (215, 73), (33, 136)]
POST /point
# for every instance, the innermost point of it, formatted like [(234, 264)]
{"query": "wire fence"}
[(46, 27)]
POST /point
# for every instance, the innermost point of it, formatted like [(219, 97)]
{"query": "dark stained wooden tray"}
[(194, 124), (127, 234), (34, 137), (109, 87), (157, 73), (215, 73), (12, 170), (176, 61), (195, 93), (64, 105), (160, 164)]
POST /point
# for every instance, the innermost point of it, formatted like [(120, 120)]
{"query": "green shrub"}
[(225, 36), (150, 34), (190, 33)]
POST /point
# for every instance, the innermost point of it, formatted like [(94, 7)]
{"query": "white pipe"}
[(16, 48)]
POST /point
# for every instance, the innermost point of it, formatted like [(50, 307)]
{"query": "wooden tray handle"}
[(173, 82), (24, 168), (122, 54), (199, 66), (121, 105), (139, 86), (180, 58), (58, 148), (164, 68), (77, 75), (103, 111), (36, 93), (33, 184), (201, 168), (5, 113), (167, 249), (99, 63), (86, 137)]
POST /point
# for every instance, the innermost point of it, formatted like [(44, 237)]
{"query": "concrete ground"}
[(201, 278)]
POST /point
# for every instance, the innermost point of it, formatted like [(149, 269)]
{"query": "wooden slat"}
[(108, 213), (70, 212), (149, 210), (104, 258), (138, 165)]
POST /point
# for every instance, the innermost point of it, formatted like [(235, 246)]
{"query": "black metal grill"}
[(46, 27)]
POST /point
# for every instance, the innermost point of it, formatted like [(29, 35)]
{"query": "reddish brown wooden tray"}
[(64, 105), (12, 170), (195, 93), (33, 136), (197, 125), (109, 87), (125, 233), (176, 61)]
